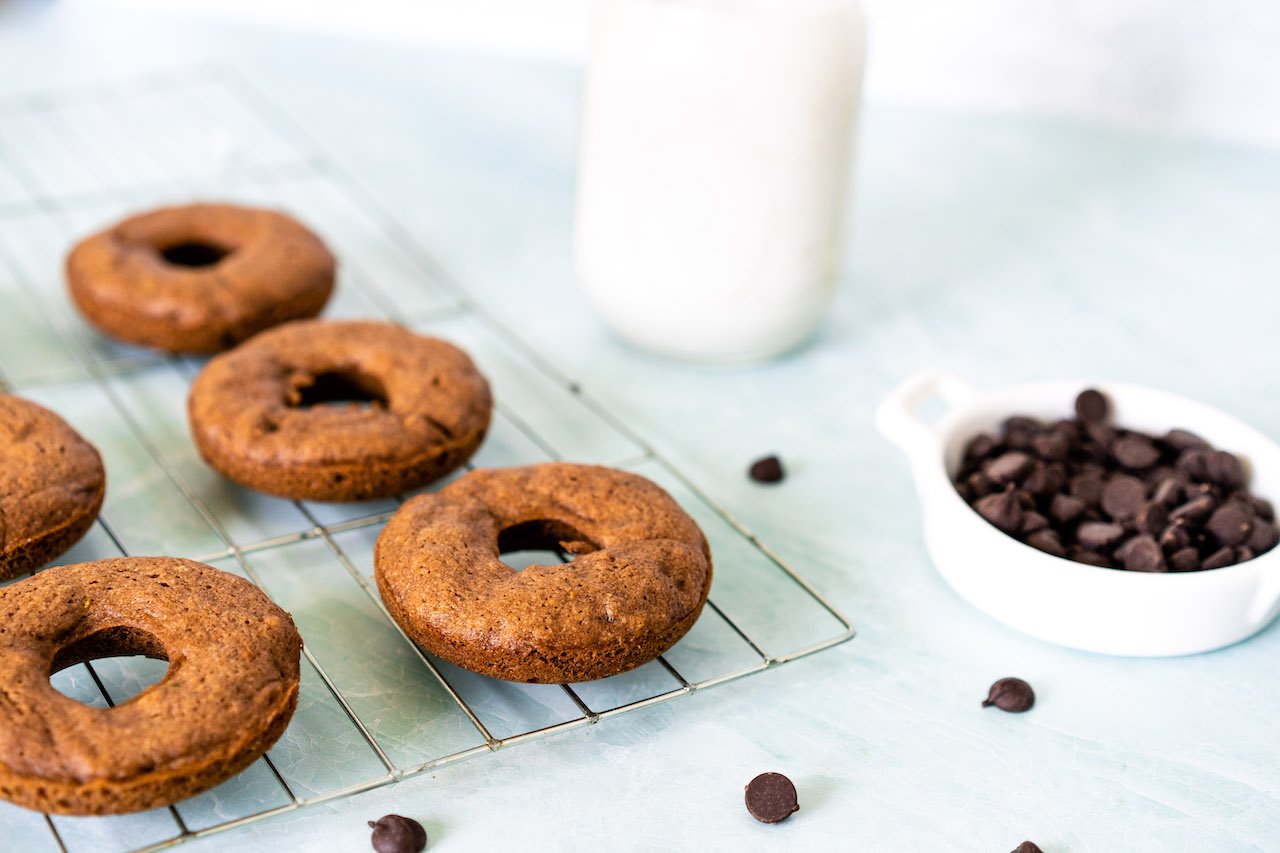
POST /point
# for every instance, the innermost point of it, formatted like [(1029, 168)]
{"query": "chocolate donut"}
[(637, 583), (231, 687), (412, 409), (199, 278), (51, 486)]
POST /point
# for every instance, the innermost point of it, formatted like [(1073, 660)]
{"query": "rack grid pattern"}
[(374, 707)]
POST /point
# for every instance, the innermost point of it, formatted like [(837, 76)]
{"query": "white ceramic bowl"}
[(1086, 607)]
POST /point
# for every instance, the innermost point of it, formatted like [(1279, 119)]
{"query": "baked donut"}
[(638, 580), (263, 414), (231, 687), (199, 278), (51, 486)]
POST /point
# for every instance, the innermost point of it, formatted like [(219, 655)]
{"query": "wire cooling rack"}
[(373, 708)]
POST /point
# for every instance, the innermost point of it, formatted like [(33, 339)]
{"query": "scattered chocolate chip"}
[(1010, 694), (1184, 560), (1225, 469), (1152, 518), (1123, 496), (1027, 847), (395, 834), (1002, 509), (1181, 439), (1230, 524), (1009, 467), (1142, 554), (1092, 406), (767, 470), (1048, 541), (771, 797), (1099, 536), (1135, 451), (1220, 558)]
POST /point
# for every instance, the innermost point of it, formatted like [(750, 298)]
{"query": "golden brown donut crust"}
[(246, 421), (231, 687), (638, 582), (274, 270), (51, 486)]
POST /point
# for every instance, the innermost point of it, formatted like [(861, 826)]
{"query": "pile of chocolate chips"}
[(1095, 493)]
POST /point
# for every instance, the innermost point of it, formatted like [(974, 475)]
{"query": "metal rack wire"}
[(374, 707)]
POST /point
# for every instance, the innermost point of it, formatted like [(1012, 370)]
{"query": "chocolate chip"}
[(1194, 510), (1175, 537), (1092, 406), (980, 485), (1135, 451), (1194, 463), (1262, 508), (1003, 509), (1152, 518), (1033, 521), (1045, 480), (767, 470), (395, 834), (1230, 524), (1142, 554), (1092, 558), (1010, 694), (981, 446), (1181, 439), (1088, 487), (1021, 423), (1048, 541), (1051, 446), (771, 798), (1065, 508), (1027, 847), (1123, 496), (1220, 558), (1244, 553), (1225, 469), (1264, 537), (1184, 560), (1099, 536), (1168, 491), (1009, 467)]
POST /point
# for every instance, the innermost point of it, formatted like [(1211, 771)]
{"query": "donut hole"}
[(194, 254), (128, 659), (337, 388), (542, 541)]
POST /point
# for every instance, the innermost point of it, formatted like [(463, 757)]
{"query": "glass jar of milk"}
[(716, 142)]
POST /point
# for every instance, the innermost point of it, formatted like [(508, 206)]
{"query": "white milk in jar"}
[(716, 142)]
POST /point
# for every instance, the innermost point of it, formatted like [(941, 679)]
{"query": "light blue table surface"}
[(1005, 249)]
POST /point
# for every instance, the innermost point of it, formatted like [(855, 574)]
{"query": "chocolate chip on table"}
[(1027, 847), (767, 470), (771, 798), (1010, 694), (1092, 406), (1230, 524), (1123, 496), (395, 834), (1003, 509)]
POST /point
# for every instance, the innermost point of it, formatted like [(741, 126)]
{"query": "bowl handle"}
[(896, 417)]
